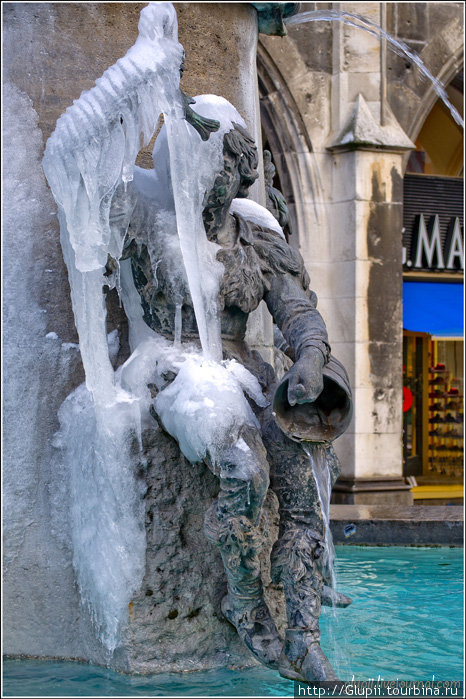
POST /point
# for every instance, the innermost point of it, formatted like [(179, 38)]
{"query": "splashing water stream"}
[(321, 473), (399, 47), (322, 477)]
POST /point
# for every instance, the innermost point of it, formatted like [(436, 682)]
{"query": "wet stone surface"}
[(406, 526)]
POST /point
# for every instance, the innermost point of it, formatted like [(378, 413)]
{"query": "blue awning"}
[(434, 308)]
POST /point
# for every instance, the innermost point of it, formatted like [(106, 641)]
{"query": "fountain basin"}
[(405, 623), (395, 525)]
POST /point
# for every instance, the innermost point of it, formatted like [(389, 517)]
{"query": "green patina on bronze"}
[(203, 126), (270, 16)]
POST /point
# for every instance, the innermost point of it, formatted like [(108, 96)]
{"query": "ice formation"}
[(89, 164), (204, 408), (181, 189), (107, 508), (41, 604), (92, 150)]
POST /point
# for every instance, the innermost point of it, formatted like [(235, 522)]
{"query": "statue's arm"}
[(294, 311)]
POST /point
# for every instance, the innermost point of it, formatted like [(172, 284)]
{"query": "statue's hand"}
[(305, 380)]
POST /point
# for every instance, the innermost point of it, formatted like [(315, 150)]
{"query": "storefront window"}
[(414, 359), (433, 407), (433, 301), (446, 413)]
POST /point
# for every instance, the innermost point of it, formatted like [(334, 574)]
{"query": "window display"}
[(433, 424)]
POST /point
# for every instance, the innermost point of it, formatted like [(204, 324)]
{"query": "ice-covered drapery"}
[(93, 148), (89, 163), (90, 153)]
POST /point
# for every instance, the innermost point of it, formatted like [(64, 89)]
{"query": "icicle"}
[(178, 324), (90, 153)]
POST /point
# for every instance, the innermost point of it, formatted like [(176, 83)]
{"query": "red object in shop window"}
[(407, 399)]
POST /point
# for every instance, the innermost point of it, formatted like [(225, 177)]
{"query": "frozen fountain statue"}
[(191, 258)]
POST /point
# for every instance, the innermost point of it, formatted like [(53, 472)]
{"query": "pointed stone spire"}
[(362, 130)]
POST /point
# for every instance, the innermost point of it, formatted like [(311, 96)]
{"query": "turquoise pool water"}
[(405, 623)]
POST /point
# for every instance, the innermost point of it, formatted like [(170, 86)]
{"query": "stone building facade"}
[(341, 111)]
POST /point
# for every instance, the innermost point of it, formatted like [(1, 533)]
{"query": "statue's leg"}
[(298, 554), (231, 523)]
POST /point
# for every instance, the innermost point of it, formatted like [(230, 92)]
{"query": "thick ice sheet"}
[(92, 152)]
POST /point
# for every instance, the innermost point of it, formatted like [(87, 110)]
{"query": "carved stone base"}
[(175, 621), (371, 491)]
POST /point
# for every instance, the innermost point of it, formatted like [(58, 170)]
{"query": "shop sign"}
[(433, 214), (427, 248)]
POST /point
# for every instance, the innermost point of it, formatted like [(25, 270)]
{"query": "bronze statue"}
[(258, 265), (282, 436)]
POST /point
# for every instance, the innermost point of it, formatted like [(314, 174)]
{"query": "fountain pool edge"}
[(417, 525)]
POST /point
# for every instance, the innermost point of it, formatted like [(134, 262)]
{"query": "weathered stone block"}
[(378, 455), (377, 410), (386, 361), (384, 233), (413, 21), (316, 52)]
